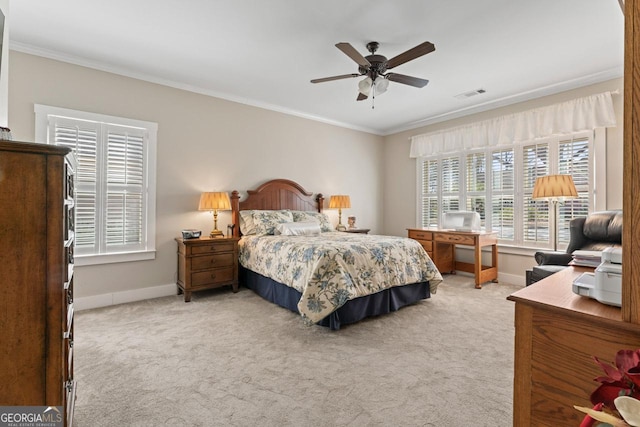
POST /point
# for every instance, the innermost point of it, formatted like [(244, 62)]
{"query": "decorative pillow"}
[(319, 217), (247, 226), (266, 221), (298, 229)]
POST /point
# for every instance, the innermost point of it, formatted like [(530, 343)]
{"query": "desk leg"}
[(477, 264), (494, 260)]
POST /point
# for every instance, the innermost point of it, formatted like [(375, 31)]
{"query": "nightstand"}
[(206, 263), (357, 230)]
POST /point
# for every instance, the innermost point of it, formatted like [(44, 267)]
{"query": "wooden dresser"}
[(207, 263), (36, 275), (557, 335)]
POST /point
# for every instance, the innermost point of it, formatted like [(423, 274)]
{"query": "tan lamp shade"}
[(554, 187), (339, 202), (215, 201), (212, 201)]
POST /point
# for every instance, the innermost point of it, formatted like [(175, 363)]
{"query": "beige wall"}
[(400, 170), (204, 143)]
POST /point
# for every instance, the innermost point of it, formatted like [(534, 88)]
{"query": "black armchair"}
[(595, 232)]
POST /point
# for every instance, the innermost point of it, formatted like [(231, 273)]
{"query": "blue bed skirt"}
[(352, 311)]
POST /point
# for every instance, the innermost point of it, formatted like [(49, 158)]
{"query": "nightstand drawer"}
[(211, 248), (420, 235), (208, 277), (212, 261), (455, 238)]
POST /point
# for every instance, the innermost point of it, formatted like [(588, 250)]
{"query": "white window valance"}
[(581, 114)]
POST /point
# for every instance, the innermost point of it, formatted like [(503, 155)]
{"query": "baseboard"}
[(104, 300), (512, 279)]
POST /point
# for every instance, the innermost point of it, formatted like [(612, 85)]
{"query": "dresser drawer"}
[(211, 277), (454, 238), (420, 235), (212, 261), (210, 248)]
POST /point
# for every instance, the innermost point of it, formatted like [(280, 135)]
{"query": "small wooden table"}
[(206, 263), (440, 245)]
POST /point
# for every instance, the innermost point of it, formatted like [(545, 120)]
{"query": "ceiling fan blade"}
[(416, 52), (361, 97), (407, 80), (352, 53), (328, 79)]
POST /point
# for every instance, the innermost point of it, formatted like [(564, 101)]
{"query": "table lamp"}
[(339, 202), (555, 188), (215, 201)]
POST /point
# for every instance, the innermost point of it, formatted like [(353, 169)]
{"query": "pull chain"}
[(373, 97)]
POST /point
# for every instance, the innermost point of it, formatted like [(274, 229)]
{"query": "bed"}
[(330, 278)]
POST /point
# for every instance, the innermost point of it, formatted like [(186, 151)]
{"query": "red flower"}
[(587, 421), (621, 380)]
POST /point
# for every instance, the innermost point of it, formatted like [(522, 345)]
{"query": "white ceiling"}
[(264, 53)]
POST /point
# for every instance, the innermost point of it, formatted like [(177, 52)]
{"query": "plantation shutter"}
[(502, 194), (110, 184), (125, 189), (574, 159), (430, 193), (82, 138), (476, 173), (450, 184), (536, 227)]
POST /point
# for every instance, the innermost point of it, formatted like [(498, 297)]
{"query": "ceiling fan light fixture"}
[(364, 87), (381, 85)]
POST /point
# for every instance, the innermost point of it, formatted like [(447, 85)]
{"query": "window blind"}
[(82, 138), (110, 184)]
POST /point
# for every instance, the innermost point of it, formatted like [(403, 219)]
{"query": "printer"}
[(605, 284)]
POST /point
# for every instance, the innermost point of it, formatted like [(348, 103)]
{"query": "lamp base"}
[(340, 227), (216, 233)]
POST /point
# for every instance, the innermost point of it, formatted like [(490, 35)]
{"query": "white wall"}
[(4, 67), (204, 144), (400, 170)]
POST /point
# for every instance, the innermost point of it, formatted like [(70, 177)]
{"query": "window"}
[(114, 182), (498, 184)]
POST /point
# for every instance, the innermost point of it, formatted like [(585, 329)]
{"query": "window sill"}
[(82, 260)]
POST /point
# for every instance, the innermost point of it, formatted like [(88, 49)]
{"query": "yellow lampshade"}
[(554, 187), (212, 201), (339, 202), (215, 201)]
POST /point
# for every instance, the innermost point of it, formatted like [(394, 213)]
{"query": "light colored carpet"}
[(229, 359)]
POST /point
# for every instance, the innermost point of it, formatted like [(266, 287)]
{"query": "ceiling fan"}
[(375, 68)]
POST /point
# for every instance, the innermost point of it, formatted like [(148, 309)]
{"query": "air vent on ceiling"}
[(470, 94)]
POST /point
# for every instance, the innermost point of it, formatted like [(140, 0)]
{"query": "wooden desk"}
[(557, 335), (440, 245)]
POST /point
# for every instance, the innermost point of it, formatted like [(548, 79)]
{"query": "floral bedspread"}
[(334, 267)]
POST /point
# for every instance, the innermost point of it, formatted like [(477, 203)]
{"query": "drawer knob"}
[(213, 275)]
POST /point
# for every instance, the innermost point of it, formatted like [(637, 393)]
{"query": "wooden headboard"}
[(274, 195)]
